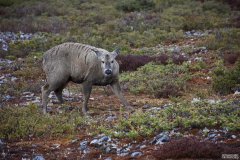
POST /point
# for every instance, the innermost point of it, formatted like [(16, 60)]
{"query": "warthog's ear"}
[(98, 53), (116, 52)]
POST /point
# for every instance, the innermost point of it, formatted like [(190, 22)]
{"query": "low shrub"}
[(184, 115), (192, 148), (135, 5), (156, 79), (26, 122), (132, 62), (162, 59), (179, 59), (226, 81), (223, 40), (231, 58)]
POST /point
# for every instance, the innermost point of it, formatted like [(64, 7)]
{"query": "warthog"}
[(83, 64)]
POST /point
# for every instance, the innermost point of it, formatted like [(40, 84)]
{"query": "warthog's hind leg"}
[(58, 93), (45, 93), (87, 88)]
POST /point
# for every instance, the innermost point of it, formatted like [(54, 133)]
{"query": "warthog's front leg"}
[(87, 88), (117, 91)]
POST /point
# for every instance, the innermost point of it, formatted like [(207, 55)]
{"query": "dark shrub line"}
[(193, 148), (132, 62)]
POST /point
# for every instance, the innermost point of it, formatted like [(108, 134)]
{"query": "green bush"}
[(6, 3), (183, 114), (135, 5), (158, 80), (223, 40), (24, 122), (225, 80)]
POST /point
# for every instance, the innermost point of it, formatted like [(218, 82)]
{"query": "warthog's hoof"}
[(44, 111), (85, 111)]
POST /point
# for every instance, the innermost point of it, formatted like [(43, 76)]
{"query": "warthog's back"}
[(69, 55)]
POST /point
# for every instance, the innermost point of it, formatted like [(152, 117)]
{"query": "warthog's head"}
[(107, 60)]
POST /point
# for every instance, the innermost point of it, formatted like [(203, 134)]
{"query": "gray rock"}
[(205, 130), (8, 98), (97, 142), (39, 157), (176, 49), (1, 143), (94, 142), (146, 106), (234, 137), (109, 158), (105, 139), (136, 154), (110, 148), (74, 140), (111, 118), (212, 136), (83, 145), (5, 46), (124, 151), (161, 138), (55, 146), (141, 146)]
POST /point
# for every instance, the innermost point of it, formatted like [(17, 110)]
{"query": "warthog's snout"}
[(108, 72)]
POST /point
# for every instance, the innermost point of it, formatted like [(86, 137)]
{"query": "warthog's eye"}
[(102, 61), (112, 62)]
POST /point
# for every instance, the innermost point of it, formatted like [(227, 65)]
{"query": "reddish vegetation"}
[(231, 58), (193, 148), (167, 91), (179, 59), (162, 59), (132, 62)]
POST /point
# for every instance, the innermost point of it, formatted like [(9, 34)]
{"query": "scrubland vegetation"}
[(179, 67)]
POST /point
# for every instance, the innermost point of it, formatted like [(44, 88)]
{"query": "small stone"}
[(109, 158), (111, 118), (7, 98), (205, 130), (211, 101), (110, 149), (212, 136), (234, 137), (13, 79), (146, 106), (142, 146), (67, 93), (5, 47), (94, 142), (74, 140), (236, 92), (196, 100), (161, 138), (176, 50), (198, 59), (136, 154), (83, 145), (1, 143), (39, 157), (123, 151), (105, 139), (56, 146), (1, 82), (123, 154)]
